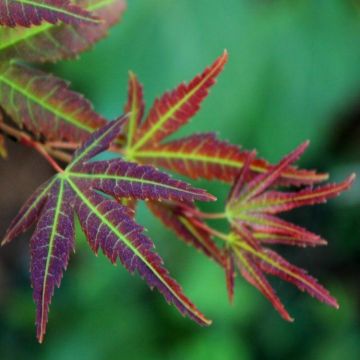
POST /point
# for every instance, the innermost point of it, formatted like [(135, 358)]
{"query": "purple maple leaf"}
[(94, 190)]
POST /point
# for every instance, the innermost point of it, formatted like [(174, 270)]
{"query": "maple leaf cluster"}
[(103, 194)]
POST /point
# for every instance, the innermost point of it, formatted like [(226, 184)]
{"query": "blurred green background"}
[(293, 74)]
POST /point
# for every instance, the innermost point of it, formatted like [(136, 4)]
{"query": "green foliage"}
[(296, 66)]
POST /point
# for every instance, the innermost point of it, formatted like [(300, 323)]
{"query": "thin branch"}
[(25, 139), (210, 216), (58, 154), (211, 231), (62, 145), (191, 211)]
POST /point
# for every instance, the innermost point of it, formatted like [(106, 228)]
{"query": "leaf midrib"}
[(165, 117), (131, 179), (121, 237), (276, 265), (214, 160), (50, 250), (45, 105), (55, 9)]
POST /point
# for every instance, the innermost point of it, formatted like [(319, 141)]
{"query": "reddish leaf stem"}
[(63, 145), (210, 216), (203, 215), (211, 231), (25, 139)]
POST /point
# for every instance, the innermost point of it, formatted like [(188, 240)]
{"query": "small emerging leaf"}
[(251, 210), (135, 106), (34, 12), (253, 204)]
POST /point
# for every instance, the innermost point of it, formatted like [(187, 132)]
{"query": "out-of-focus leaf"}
[(251, 209), (45, 105), (33, 12), (254, 204), (49, 42)]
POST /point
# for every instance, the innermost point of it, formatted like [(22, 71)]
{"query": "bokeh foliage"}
[(293, 75)]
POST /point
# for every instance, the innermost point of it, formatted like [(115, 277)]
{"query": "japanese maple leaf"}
[(252, 210), (198, 155), (91, 189)]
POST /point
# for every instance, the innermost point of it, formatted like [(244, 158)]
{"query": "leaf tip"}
[(41, 334), (351, 179), (222, 60), (206, 321), (331, 301), (211, 197), (285, 315), (4, 241), (230, 297), (302, 147)]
